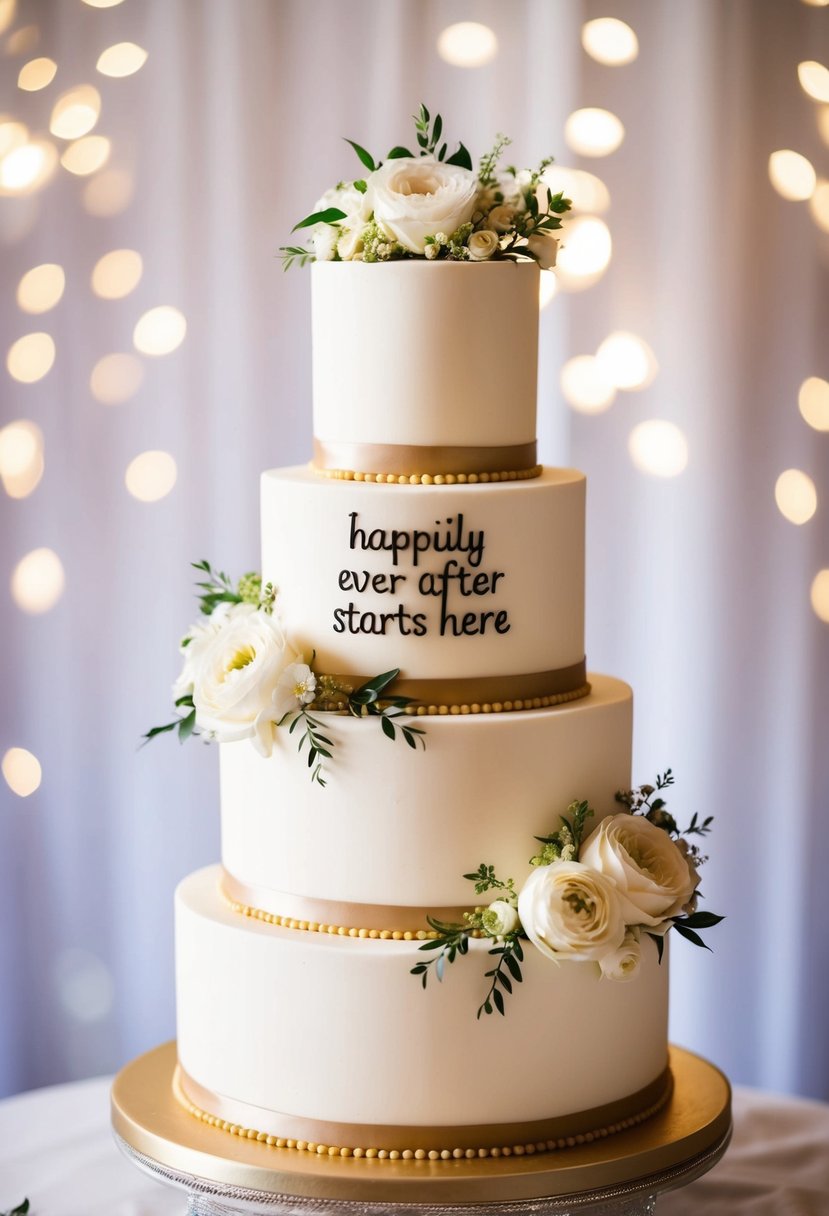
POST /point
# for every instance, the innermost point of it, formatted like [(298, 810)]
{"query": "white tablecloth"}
[(56, 1148)]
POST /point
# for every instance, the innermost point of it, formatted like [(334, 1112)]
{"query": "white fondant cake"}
[(298, 1015)]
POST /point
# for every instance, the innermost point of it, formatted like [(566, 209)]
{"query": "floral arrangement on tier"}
[(586, 900), (242, 679), (434, 206)]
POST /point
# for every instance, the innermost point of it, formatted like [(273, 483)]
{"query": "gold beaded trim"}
[(312, 926), (502, 707), (430, 479), (422, 1154)]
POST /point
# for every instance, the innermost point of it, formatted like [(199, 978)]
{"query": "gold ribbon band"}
[(549, 687), (314, 1135), (415, 460), (350, 919)]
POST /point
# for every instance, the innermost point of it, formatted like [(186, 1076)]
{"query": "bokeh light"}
[(116, 274), (36, 74), (84, 985), (659, 448), (108, 193), (792, 175), (627, 361), (86, 155), (21, 457), (102, 3), (75, 112), (123, 59), (823, 123), (38, 581), (593, 132), (468, 44), (22, 771), (814, 79), (796, 496), (31, 357), (23, 40), (547, 288), (585, 385), (116, 378), (816, 3), (13, 135), (584, 254), (820, 594), (609, 41), (819, 204), (813, 401), (8, 10), (28, 167), (160, 331), (151, 476), (41, 288), (587, 192)]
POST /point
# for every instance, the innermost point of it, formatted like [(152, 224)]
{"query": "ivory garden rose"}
[(654, 879), (569, 910), (418, 197), (622, 964)]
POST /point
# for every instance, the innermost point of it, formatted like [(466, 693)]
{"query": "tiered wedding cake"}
[(425, 537)]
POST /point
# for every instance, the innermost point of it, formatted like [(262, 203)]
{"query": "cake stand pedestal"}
[(221, 1174)]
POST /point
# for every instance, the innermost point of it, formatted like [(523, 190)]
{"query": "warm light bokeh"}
[(467, 44), (585, 386), (41, 288), (86, 155), (31, 357), (160, 331), (792, 175), (814, 79), (627, 361), (108, 193), (21, 457), (658, 447), (609, 41), (151, 476), (584, 254), (819, 204), (593, 132), (28, 167), (796, 496), (123, 59), (820, 595), (116, 378), (813, 401), (38, 581), (75, 112), (22, 771), (547, 288), (36, 74), (116, 274), (587, 192)]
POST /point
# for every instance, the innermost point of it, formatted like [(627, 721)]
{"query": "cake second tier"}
[(476, 592)]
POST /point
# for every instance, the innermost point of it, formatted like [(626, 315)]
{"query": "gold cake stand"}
[(223, 1174)]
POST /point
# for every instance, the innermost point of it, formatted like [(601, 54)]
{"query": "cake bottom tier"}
[(330, 1040)]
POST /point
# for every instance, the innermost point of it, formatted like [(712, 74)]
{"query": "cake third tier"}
[(475, 592)]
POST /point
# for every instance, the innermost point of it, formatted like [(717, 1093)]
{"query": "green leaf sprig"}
[(20, 1210)]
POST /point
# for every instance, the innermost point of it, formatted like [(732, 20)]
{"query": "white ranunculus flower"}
[(419, 196), (655, 880), (623, 964), (545, 247), (198, 638), (236, 675), (482, 245), (501, 218), (500, 918), (570, 911)]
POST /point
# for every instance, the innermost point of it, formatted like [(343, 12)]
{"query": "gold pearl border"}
[(429, 479), (422, 1154), (313, 926), (501, 707)]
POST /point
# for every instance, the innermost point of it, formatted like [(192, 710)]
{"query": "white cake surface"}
[(399, 827), (342, 555), (329, 1028), (415, 353)]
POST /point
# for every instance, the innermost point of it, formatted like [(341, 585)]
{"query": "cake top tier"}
[(425, 367)]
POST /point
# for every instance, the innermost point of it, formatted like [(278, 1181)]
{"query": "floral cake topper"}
[(430, 205), (586, 900)]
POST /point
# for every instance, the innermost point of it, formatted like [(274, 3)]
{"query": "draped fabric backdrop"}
[(698, 589)]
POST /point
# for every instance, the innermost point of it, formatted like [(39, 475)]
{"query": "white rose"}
[(501, 218), (325, 237), (198, 638), (654, 879), (482, 245), (500, 918), (346, 197), (237, 674), (416, 197), (570, 911), (622, 964), (545, 247)]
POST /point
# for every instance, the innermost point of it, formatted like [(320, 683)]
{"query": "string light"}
[(116, 378), (21, 458), (585, 386), (627, 361), (814, 79), (116, 274), (585, 253), (86, 155), (28, 167), (75, 112)]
